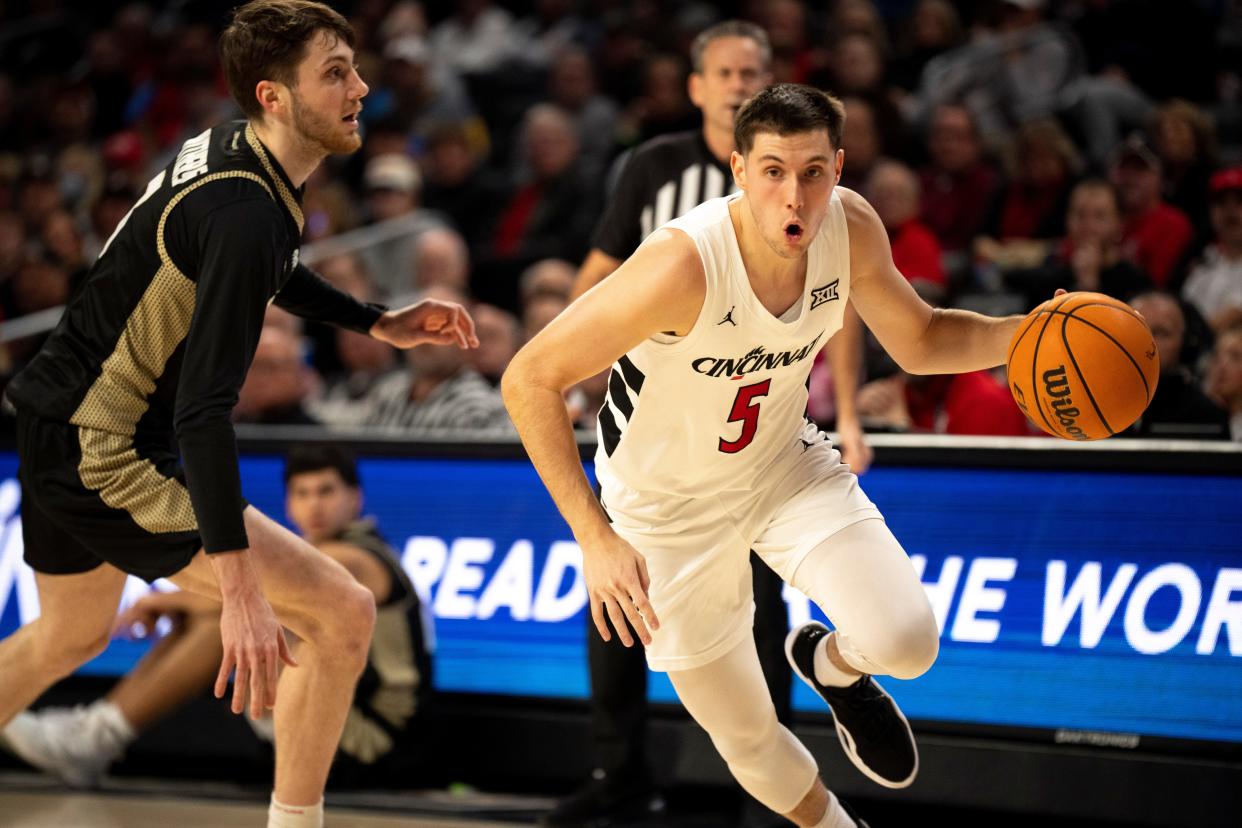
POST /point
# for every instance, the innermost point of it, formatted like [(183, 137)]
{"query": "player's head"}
[(291, 62), (322, 491), (730, 63), (788, 159)]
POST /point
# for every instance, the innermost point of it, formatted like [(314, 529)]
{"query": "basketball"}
[(1083, 366)]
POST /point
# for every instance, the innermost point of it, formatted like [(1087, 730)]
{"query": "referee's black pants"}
[(619, 680)]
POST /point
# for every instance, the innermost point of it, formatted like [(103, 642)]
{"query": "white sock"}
[(828, 673), (835, 816), (280, 815)]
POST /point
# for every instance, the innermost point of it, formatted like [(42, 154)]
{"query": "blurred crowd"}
[(1011, 147)]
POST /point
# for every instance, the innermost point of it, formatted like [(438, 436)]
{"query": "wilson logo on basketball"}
[(1057, 387)]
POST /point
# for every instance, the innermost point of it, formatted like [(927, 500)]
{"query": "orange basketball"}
[(1083, 366)]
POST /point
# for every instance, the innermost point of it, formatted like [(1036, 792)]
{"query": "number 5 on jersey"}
[(745, 411)]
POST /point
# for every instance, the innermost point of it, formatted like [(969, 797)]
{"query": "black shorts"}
[(90, 497)]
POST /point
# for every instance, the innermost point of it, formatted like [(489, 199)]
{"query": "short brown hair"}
[(267, 39), (786, 109), (729, 28)]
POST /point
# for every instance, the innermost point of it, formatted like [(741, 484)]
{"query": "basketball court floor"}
[(28, 800), (32, 801), (102, 811)]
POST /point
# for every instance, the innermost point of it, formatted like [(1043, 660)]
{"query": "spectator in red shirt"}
[(893, 190), (971, 403), (1043, 164), (1156, 233), (1030, 211), (958, 185), (1090, 257), (547, 212)]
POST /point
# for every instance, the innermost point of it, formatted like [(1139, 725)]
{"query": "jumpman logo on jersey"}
[(728, 318), (823, 294)]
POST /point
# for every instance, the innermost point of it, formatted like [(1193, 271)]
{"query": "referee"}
[(658, 181)]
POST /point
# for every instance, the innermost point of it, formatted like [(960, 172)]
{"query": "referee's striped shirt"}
[(655, 183)]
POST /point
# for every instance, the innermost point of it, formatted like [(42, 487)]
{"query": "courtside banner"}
[(1106, 607)]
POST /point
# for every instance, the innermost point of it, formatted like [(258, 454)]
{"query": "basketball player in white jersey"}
[(663, 179), (707, 454)]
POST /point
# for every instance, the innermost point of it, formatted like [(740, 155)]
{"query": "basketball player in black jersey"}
[(140, 378), (658, 181)]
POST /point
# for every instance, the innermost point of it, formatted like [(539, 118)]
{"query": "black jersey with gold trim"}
[(155, 347)]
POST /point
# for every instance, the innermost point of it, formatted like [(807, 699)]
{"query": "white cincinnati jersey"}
[(707, 412)]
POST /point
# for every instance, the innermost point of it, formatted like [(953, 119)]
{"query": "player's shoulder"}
[(705, 220), (852, 202), (671, 240), (216, 176), (869, 245), (235, 216), (663, 282), (221, 161), (233, 199), (671, 255)]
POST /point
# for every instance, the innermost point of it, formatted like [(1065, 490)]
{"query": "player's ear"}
[(738, 164), (840, 164), (269, 96)]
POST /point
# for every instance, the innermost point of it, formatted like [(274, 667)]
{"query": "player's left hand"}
[(852, 443), (429, 322)]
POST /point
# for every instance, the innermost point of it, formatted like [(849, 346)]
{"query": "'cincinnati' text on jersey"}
[(755, 360)]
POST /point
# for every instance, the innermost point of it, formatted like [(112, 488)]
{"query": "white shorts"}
[(698, 549)]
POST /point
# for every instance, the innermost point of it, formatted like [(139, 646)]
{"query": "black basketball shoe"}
[(872, 729)]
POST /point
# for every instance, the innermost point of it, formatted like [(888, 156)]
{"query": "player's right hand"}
[(617, 583), (427, 322), (254, 646)]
